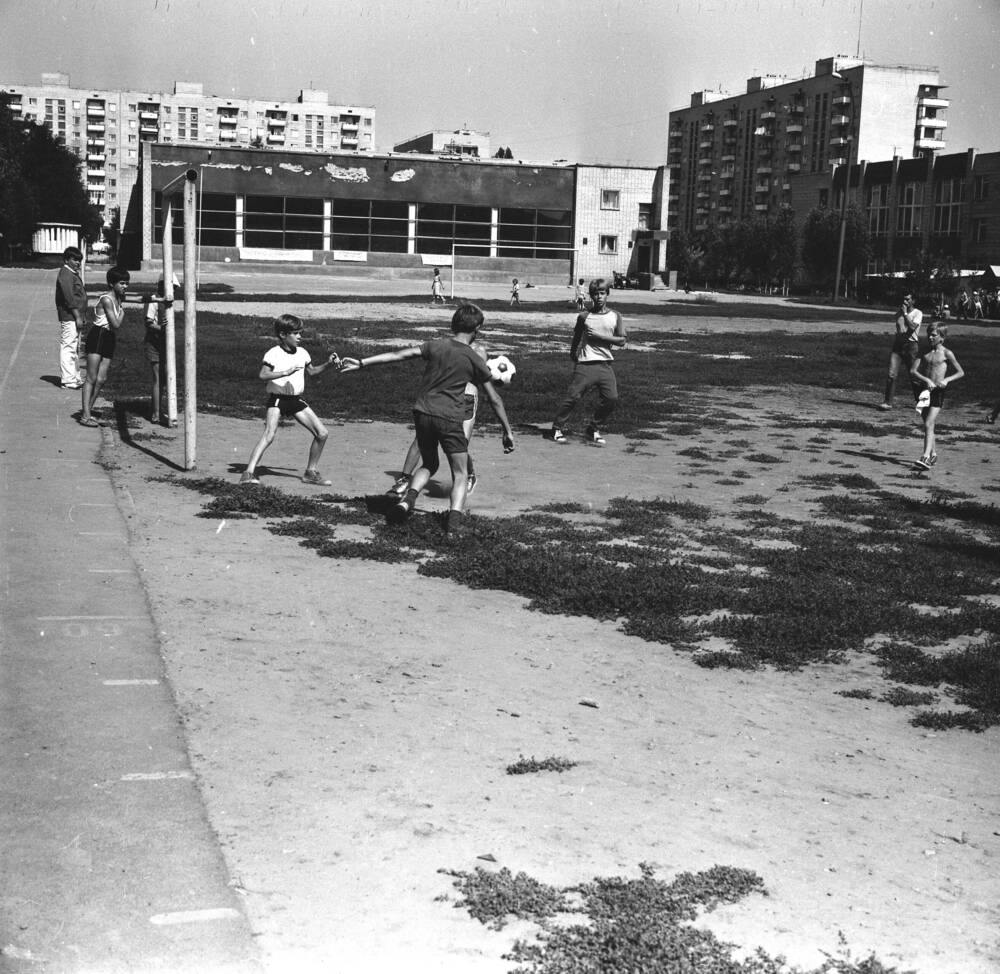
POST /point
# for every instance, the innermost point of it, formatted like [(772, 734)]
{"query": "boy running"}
[(935, 364), (285, 368), (439, 412)]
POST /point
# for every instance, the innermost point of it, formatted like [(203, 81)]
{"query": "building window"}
[(982, 189), (218, 220), (381, 226), (284, 222), (878, 210), (535, 233), (910, 203), (979, 230), (949, 195), (609, 243), (645, 213), (610, 199)]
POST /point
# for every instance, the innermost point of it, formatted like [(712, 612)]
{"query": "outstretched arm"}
[(353, 364), (332, 359)]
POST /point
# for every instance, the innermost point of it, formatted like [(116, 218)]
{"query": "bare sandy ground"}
[(351, 722)]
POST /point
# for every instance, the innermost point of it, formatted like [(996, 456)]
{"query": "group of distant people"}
[(977, 304)]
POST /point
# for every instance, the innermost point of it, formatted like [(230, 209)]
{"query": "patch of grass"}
[(856, 694), (629, 925), (901, 697), (765, 458), (532, 766)]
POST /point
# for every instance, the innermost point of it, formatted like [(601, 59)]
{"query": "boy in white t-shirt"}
[(596, 333), (285, 368)]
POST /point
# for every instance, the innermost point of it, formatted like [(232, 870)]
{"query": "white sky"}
[(584, 80)]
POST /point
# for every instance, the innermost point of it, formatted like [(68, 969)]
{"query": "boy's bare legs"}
[(154, 405), (312, 422), (930, 417), (97, 374), (459, 480), (271, 420)]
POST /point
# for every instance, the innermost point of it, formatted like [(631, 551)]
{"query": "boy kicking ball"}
[(450, 365), (935, 364), (285, 368)]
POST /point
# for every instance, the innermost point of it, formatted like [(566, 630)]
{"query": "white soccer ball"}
[(501, 369)]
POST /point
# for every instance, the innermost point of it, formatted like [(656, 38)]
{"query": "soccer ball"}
[(501, 369)]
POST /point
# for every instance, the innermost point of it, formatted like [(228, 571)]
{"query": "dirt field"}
[(351, 722)]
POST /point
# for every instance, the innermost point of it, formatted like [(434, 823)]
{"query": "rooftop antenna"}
[(861, 10)]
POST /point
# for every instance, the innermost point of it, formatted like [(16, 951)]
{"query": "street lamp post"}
[(843, 200)]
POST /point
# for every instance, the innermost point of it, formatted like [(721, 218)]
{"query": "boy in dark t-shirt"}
[(439, 411)]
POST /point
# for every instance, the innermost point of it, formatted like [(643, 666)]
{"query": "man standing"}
[(71, 306), (905, 345)]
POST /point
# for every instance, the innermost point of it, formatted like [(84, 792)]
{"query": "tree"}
[(821, 241), (39, 182)]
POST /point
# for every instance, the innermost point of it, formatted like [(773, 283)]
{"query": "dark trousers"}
[(587, 376)]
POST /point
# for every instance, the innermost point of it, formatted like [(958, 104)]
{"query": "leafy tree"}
[(40, 181), (821, 241), (684, 255)]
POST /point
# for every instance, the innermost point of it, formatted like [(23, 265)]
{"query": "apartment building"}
[(734, 156), (105, 127)]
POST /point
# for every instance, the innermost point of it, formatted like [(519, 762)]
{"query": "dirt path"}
[(351, 722)]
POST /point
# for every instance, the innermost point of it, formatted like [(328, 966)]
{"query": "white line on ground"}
[(99, 534), (88, 618), (156, 776), (109, 571), (195, 916), (130, 683)]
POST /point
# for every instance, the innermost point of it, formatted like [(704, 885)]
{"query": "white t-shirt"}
[(277, 360), (603, 325)]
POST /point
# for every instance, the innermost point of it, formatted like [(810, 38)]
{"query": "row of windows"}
[(949, 197), (381, 226)]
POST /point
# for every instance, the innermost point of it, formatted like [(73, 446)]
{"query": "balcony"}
[(728, 172), (148, 128), (703, 194), (933, 103), (148, 115), (701, 225), (708, 127), (673, 165), (95, 173), (840, 120), (840, 140), (97, 188), (706, 144), (95, 156), (273, 121), (762, 188), (761, 207), (705, 161), (725, 192), (677, 133), (796, 109), (794, 147), (763, 170), (348, 127), (838, 160), (95, 144), (728, 157), (931, 144), (95, 127), (227, 135), (95, 111), (931, 123), (276, 137), (794, 167), (767, 116), (842, 100), (725, 208), (730, 123), (793, 128)]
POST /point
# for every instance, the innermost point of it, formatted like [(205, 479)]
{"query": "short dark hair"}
[(73, 253), (467, 319), (284, 324), (117, 275)]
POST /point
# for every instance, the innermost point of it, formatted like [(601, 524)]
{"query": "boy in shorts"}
[(931, 371), (439, 412), (155, 346), (285, 368)]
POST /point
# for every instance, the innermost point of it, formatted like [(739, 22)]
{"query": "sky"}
[(588, 81)]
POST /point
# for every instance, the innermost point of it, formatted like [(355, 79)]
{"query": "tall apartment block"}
[(734, 156), (104, 126)]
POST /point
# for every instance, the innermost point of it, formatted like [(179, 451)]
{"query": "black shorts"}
[(937, 397), (433, 432), (101, 341), (154, 345), (287, 405)]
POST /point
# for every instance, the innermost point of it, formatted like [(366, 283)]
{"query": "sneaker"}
[(470, 484), (924, 462), (400, 511), (558, 436), (249, 477), (72, 385), (933, 459), (885, 407), (594, 436), (315, 477), (399, 488)]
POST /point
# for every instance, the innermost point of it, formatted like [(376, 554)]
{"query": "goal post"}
[(185, 186)]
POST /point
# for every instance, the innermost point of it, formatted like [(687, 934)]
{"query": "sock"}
[(411, 497)]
